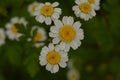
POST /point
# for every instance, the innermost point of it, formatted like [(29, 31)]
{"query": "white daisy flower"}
[(53, 57), (84, 9), (73, 75), (2, 37), (67, 32), (95, 4), (12, 31), (47, 12), (32, 7), (39, 36)]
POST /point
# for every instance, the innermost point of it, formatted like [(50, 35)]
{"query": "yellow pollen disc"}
[(33, 7), (73, 77), (47, 10), (67, 33), (91, 1), (85, 7), (14, 29), (37, 37), (53, 57)]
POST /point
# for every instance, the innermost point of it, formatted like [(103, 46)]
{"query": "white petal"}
[(93, 13), (75, 7), (47, 3), (51, 46), (48, 67), (62, 64), (64, 20), (37, 45), (15, 20), (58, 23), (77, 2), (58, 10), (40, 18), (62, 45), (68, 20), (56, 40), (8, 25), (77, 25), (55, 15), (74, 45), (52, 34), (67, 47), (43, 62), (48, 20), (55, 68), (55, 4), (54, 29)]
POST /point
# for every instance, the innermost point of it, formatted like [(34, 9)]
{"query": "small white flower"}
[(53, 57), (2, 37), (12, 30), (95, 4), (32, 7), (84, 9), (73, 75), (47, 12), (67, 32), (39, 36)]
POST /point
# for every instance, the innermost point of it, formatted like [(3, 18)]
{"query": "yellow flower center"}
[(37, 37), (67, 33), (33, 7), (85, 7), (73, 76), (91, 1), (14, 29), (47, 10), (53, 57)]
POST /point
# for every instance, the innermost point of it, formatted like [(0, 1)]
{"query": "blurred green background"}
[(98, 58)]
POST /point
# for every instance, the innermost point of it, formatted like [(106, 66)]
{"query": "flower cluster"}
[(64, 34)]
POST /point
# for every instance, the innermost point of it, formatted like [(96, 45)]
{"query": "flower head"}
[(84, 9), (12, 30), (32, 7), (53, 57), (67, 32), (47, 12), (73, 74), (39, 36)]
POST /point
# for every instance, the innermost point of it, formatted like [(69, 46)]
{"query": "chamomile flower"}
[(73, 75), (12, 30), (53, 57), (67, 32), (95, 4), (47, 12), (32, 7), (2, 37), (39, 36), (84, 9)]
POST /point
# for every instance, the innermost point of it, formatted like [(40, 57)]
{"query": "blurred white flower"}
[(53, 57), (32, 7), (39, 36), (73, 75), (95, 4), (2, 37), (67, 32), (84, 9), (12, 30), (47, 12)]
